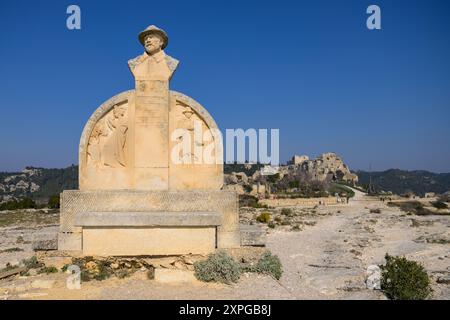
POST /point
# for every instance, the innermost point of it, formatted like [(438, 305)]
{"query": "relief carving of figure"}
[(188, 119), (94, 146), (107, 144), (114, 150)]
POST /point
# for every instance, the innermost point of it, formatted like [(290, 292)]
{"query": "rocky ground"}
[(325, 252)]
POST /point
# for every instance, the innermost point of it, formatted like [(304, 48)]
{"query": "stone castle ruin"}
[(327, 165)]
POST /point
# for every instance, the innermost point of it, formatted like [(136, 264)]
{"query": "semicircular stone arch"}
[(105, 166)]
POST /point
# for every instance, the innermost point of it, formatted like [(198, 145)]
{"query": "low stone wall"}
[(303, 201)]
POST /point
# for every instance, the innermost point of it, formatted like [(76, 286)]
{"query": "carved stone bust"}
[(154, 63)]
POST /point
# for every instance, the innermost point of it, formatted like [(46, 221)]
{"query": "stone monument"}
[(140, 193)]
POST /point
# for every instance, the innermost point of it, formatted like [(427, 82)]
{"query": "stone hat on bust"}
[(155, 30)]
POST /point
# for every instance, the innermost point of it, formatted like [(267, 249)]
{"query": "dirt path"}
[(321, 262), (330, 259)]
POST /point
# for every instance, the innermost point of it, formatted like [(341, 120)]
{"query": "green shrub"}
[(248, 188), (439, 205), (246, 200), (26, 203), (402, 279), (32, 263), (53, 201), (218, 267), (294, 184), (48, 270), (413, 207), (263, 217), (286, 212), (273, 178), (269, 264), (271, 225)]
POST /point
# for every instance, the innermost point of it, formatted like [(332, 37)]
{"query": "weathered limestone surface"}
[(148, 241), (149, 219), (97, 173), (150, 171), (328, 201), (75, 203), (252, 235)]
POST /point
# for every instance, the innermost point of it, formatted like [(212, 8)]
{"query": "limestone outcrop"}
[(327, 165)]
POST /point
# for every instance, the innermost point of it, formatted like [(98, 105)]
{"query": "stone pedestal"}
[(132, 222)]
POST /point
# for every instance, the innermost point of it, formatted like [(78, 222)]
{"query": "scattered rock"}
[(179, 264), (443, 279), (373, 281), (32, 272), (57, 262), (11, 271), (92, 267), (33, 295), (42, 284), (51, 244), (174, 275)]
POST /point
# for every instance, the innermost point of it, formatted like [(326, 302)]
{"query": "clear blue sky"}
[(310, 68)]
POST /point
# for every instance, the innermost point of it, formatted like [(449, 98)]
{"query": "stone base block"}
[(69, 241), (148, 241), (252, 235), (182, 222)]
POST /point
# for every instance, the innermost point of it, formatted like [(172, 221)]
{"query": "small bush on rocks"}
[(402, 279), (270, 264), (263, 217), (48, 270), (218, 267), (286, 212), (32, 263)]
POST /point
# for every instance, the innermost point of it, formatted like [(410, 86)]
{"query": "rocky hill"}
[(299, 175), (40, 183), (327, 165), (37, 183), (401, 181)]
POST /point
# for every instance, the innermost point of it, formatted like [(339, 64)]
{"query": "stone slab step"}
[(147, 219)]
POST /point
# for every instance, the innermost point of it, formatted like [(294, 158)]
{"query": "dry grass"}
[(28, 219)]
